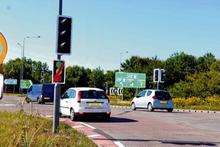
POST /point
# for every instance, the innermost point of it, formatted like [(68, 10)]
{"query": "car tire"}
[(133, 106), (170, 110), (72, 115), (107, 117), (40, 100), (150, 107), (27, 100)]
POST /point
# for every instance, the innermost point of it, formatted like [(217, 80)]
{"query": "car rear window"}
[(37, 88), (93, 94), (162, 95)]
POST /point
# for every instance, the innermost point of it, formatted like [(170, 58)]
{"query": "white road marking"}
[(78, 126), (94, 135), (119, 144), (7, 105), (48, 116), (91, 127)]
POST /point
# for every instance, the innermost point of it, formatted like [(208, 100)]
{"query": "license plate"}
[(164, 103), (95, 105), (46, 98)]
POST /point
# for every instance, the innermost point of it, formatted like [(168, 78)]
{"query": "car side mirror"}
[(63, 96)]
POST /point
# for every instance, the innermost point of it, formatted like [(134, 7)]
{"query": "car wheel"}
[(170, 110), (40, 100), (107, 117), (133, 106), (27, 100), (72, 115), (150, 107)]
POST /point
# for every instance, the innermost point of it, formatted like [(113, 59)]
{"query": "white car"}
[(78, 102), (153, 99)]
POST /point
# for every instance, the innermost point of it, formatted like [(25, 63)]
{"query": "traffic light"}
[(163, 75), (58, 71), (156, 75), (64, 35)]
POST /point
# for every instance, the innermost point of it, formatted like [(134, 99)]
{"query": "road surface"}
[(143, 128)]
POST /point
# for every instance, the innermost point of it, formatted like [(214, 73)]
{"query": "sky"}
[(106, 32)]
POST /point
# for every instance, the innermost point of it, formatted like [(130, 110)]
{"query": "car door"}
[(64, 103), (147, 98), (142, 99), (139, 99)]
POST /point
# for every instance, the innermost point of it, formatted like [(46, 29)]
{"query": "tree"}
[(178, 66), (33, 70), (204, 63), (202, 84), (110, 78), (97, 78), (77, 76), (142, 65)]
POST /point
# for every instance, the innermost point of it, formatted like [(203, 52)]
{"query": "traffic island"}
[(20, 129)]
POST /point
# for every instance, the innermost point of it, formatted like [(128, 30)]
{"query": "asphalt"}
[(141, 128)]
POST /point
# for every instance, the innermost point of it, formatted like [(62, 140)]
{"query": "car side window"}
[(141, 94), (149, 93), (71, 93), (65, 95)]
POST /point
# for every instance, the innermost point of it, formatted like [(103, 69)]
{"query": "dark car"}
[(40, 93)]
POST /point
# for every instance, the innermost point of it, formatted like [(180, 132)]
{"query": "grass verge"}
[(194, 103), (117, 100), (22, 130)]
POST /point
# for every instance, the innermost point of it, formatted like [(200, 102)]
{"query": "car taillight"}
[(79, 96), (154, 97)]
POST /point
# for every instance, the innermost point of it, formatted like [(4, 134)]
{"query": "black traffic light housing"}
[(64, 35), (163, 75), (156, 75)]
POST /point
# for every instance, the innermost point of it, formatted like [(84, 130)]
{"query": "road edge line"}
[(119, 144), (87, 125)]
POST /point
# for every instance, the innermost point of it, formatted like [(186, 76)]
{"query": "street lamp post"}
[(23, 54), (121, 55)]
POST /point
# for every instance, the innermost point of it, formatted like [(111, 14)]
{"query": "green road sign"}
[(25, 84), (130, 80)]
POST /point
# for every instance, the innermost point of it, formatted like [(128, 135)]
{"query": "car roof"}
[(85, 88)]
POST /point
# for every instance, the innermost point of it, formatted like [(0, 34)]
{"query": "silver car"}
[(153, 99)]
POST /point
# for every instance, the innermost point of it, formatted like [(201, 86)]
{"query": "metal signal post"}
[(57, 90)]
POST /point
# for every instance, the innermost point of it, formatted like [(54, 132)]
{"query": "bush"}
[(198, 85), (209, 103)]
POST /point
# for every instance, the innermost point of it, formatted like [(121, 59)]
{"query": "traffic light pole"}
[(57, 91), (158, 85)]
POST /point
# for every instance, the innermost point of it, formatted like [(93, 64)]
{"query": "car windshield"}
[(93, 94), (162, 95)]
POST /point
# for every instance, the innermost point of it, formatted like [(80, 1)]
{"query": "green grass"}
[(15, 94), (116, 100), (194, 103), (22, 130), (210, 103)]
